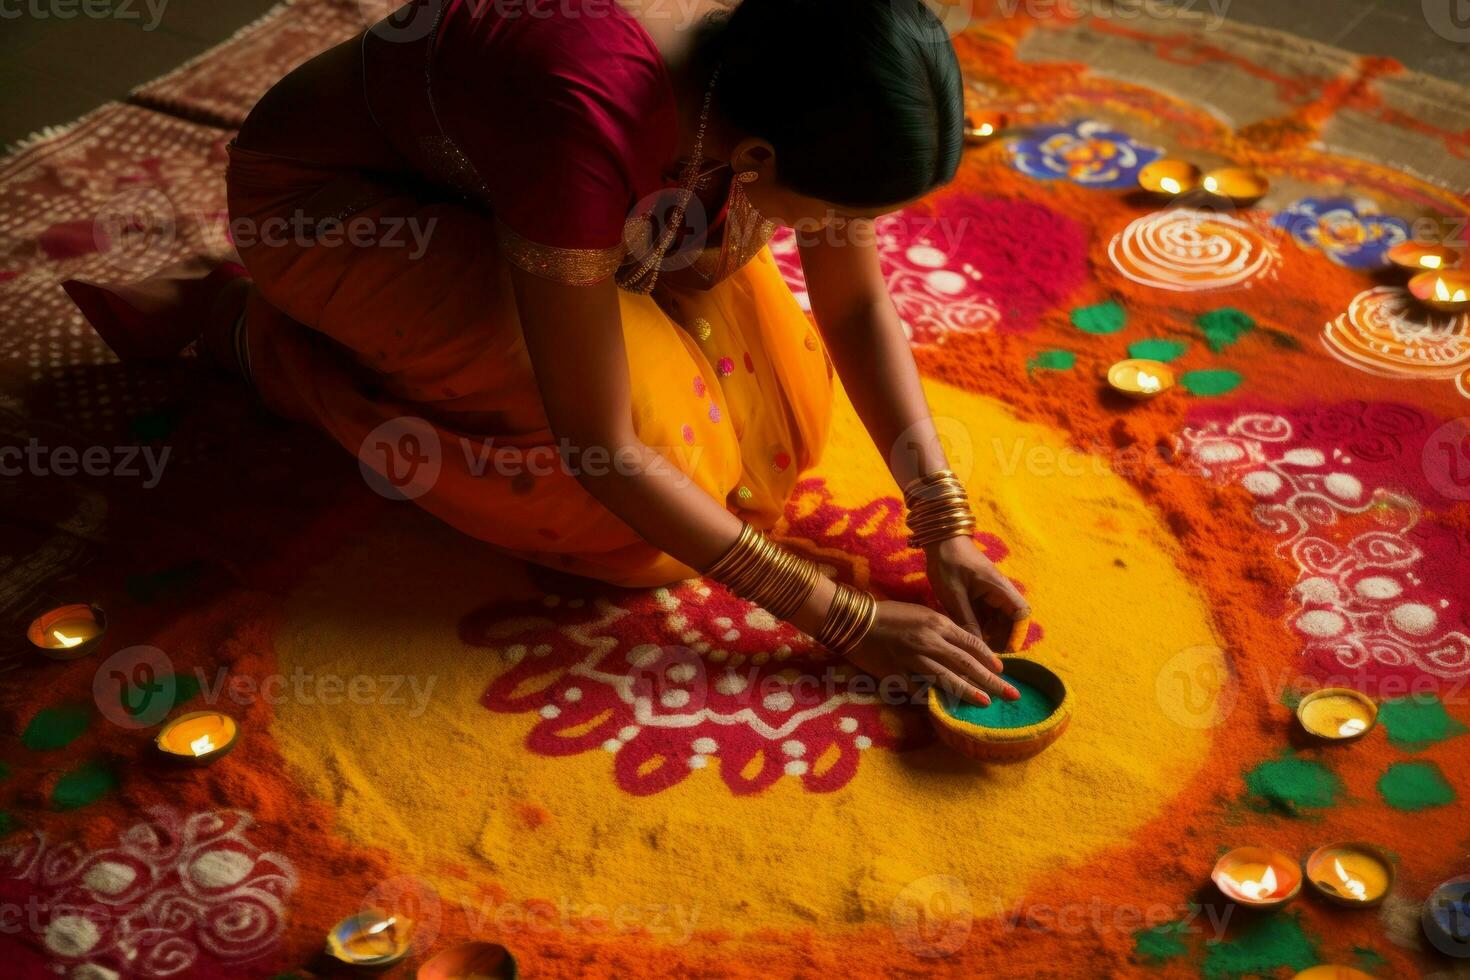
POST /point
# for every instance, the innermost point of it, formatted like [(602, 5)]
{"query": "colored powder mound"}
[(1418, 722), (1289, 783), (1032, 707), (1261, 949), (1414, 786), (1159, 943)]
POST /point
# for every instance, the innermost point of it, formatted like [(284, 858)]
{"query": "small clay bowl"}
[(1319, 872), (1304, 711), (1447, 291), (1123, 378), (1328, 971), (1288, 883), (470, 960), (44, 625), (1007, 744), (346, 943), (983, 127), (1170, 178), (1239, 185), (1423, 258)]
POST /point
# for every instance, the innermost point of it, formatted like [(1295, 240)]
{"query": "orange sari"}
[(412, 358)]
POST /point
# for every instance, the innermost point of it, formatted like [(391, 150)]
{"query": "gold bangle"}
[(848, 620), (756, 569), (928, 478)]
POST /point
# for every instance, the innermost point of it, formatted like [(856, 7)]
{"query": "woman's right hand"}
[(915, 642)]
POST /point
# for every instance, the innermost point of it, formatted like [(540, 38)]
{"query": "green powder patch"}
[(1033, 707), (55, 728), (1208, 384), (1290, 784), (1417, 722), (1368, 960), (1158, 349), (1104, 318), (1052, 360), (1414, 786), (7, 823), (82, 786), (1223, 327), (1159, 943), (1262, 948)]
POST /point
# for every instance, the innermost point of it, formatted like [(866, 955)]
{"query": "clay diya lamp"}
[(68, 632), (371, 940), (1447, 291), (1007, 731), (982, 127), (1239, 185), (1140, 379), (1328, 971), (1257, 878), (1350, 873), (1337, 714), (470, 961), (1423, 258), (1170, 178), (198, 738)]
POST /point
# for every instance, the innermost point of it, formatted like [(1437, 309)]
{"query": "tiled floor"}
[(54, 68)]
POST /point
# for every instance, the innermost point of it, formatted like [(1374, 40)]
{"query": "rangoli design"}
[(1386, 332), (171, 892), (1379, 587), (1186, 250), (1086, 152), (1348, 231)]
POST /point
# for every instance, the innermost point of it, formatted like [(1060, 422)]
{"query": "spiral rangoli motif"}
[(1185, 250), (1387, 333)]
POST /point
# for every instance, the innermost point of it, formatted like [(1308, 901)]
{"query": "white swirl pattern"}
[(1387, 333), (1363, 602), (170, 891), (1185, 250)]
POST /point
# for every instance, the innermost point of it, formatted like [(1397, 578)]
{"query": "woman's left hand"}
[(974, 593)]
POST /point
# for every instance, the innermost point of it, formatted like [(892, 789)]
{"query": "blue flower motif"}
[(1085, 152), (1350, 232)]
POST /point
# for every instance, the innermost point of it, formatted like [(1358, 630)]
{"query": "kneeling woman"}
[(590, 190)]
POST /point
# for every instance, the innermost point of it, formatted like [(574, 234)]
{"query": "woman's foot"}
[(157, 318)]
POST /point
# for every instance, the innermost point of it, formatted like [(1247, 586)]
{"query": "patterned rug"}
[(669, 782)]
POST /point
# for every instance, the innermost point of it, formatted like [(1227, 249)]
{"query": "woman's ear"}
[(756, 155)]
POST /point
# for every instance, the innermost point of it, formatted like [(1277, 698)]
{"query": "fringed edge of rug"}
[(48, 133)]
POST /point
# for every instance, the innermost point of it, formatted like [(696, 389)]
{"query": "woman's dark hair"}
[(862, 99)]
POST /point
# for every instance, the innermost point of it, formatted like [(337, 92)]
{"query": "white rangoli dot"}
[(1317, 589), (549, 711), (863, 742), (698, 761), (628, 732), (611, 745), (848, 724), (731, 636), (220, 868), (779, 701), (1344, 486), (927, 256), (1414, 617), (542, 649), (643, 655), (109, 877), (760, 619), (730, 683), (71, 935), (1262, 483), (947, 281), (1304, 457), (704, 746), (796, 768), (674, 699), (681, 673), (1219, 452), (1321, 622), (793, 748), (573, 694), (1379, 587), (723, 622)]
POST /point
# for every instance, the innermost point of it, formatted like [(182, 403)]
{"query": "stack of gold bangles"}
[(938, 508), (758, 570)]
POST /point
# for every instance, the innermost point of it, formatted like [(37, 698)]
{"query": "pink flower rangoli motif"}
[(672, 680)]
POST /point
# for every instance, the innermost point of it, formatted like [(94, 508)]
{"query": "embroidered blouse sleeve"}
[(565, 121)]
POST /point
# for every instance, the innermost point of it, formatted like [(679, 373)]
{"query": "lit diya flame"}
[(1420, 258), (1140, 378), (1350, 873), (1337, 713), (981, 127), (1169, 177), (1237, 184), (1443, 294), (200, 736), (371, 939), (1255, 890), (1258, 877), (67, 632), (1448, 291)]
